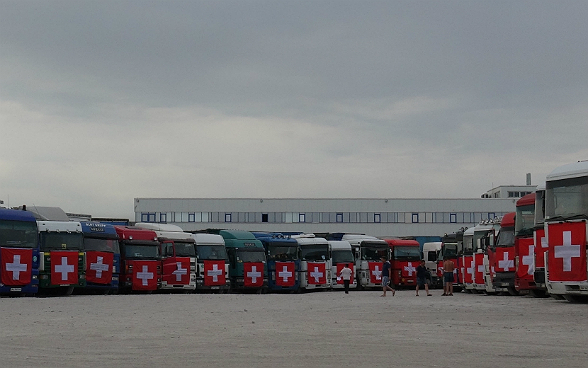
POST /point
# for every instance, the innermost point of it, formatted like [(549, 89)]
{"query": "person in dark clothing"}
[(422, 274), (386, 276)]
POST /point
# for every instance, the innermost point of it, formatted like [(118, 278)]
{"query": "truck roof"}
[(208, 239), (274, 238), (60, 226), (310, 241), (16, 215), (508, 220), (339, 245), (237, 234), (573, 170), (526, 200), (403, 242), (432, 246), (159, 227), (135, 233), (174, 235)]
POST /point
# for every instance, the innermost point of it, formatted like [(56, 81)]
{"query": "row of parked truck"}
[(540, 249), (62, 257)]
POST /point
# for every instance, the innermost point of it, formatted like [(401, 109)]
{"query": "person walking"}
[(422, 273), (386, 276), (448, 269), (345, 274)]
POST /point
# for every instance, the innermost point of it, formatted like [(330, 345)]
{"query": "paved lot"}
[(308, 330)]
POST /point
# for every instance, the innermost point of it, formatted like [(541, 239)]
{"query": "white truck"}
[(212, 270), (341, 256), (315, 262), (368, 251), (431, 251)]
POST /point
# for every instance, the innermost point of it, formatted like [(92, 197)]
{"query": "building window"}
[(339, 217), (377, 217), (264, 217), (453, 218), (191, 217), (227, 217), (301, 217), (491, 215), (163, 217), (415, 218)]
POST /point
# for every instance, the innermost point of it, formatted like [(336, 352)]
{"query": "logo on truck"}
[(64, 268), (567, 257), (316, 273), (16, 266), (99, 267), (253, 274), (285, 274), (214, 273)]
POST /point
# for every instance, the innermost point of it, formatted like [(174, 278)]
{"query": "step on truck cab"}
[(405, 256), (247, 262), (540, 243), (283, 262), (501, 257), (102, 252), (524, 244), (566, 221), (431, 255), (178, 256), (62, 258), (368, 252), (19, 253), (452, 249), (315, 262), (212, 269), (341, 256), (140, 259)]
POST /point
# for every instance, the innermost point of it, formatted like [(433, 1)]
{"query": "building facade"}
[(379, 217)]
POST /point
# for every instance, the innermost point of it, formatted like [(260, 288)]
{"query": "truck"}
[(61, 258), (19, 253), (102, 251), (368, 251), (431, 255), (247, 261), (540, 244), (566, 220), (452, 249), (140, 255), (405, 256), (315, 262), (283, 262), (212, 269), (525, 245), (475, 265), (501, 257), (178, 256), (341, 256)]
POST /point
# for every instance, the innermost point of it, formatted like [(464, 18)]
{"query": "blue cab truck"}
[(19, 253), (285, 251), (101, 238)]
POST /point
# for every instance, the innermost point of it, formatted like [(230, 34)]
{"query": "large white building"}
[(381, 217)]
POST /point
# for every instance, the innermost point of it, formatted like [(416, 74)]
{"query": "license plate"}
[(64, 285), (215, 287), (15, 289), (583, 287)]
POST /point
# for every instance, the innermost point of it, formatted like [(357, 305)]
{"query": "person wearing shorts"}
[(422, 273), (448, 269), (386, 275)]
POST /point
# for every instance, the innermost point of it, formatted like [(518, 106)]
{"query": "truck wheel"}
[(576, 298), (512, 291), (538, 293)]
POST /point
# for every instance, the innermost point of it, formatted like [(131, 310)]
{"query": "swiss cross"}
[(376, 272), (285, 274), (64, 268), (506, 263), (481, 268), (99, 266), (409, 268), (317, 275), (254, 274), (543, 242), (215, 272), (567, 251), (16, 267), (180, 271), (529, 260), (145, 276), (471, 269)]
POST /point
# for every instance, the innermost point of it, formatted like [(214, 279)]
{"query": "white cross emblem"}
[(145, 275), (285, 274), (481, 268), (506, 263), (472, 269), (316, 274), (410, 269), (64, 268), (529, 260), (544, 242), (179, 272), (377, 272), (16, 267), (215, 272), (254, 274), (99, 266), (567, 251)]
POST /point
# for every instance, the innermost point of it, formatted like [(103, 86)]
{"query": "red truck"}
[(140, 259), (405, 256)]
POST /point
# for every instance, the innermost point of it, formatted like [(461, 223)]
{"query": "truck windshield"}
[(211, 252), (525, 220), (407, 253), (61, 241), (251, 255), (184, 249), (141, 251), (317, 252), (505, 238), (18, 234), (282, 253), (373, 253), (567, 198), (101, 244), (342, 256), (449, 250)]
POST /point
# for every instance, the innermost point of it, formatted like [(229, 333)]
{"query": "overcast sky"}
[(105, 101)]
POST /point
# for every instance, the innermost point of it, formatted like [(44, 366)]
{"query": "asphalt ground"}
[(319, 329)]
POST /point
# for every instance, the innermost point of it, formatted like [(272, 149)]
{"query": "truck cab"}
[(102, 257), (283, 262), (524, 245), (368, 251), (61, 258), (405, 256), (501, 257), (140, 259), (212, 270), (341, 256), (431, 255), (452, 249), (315, 262), (247, 261), (19, 253)]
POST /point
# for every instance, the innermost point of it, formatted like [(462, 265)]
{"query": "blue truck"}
[(102, 257), (283, 261)]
